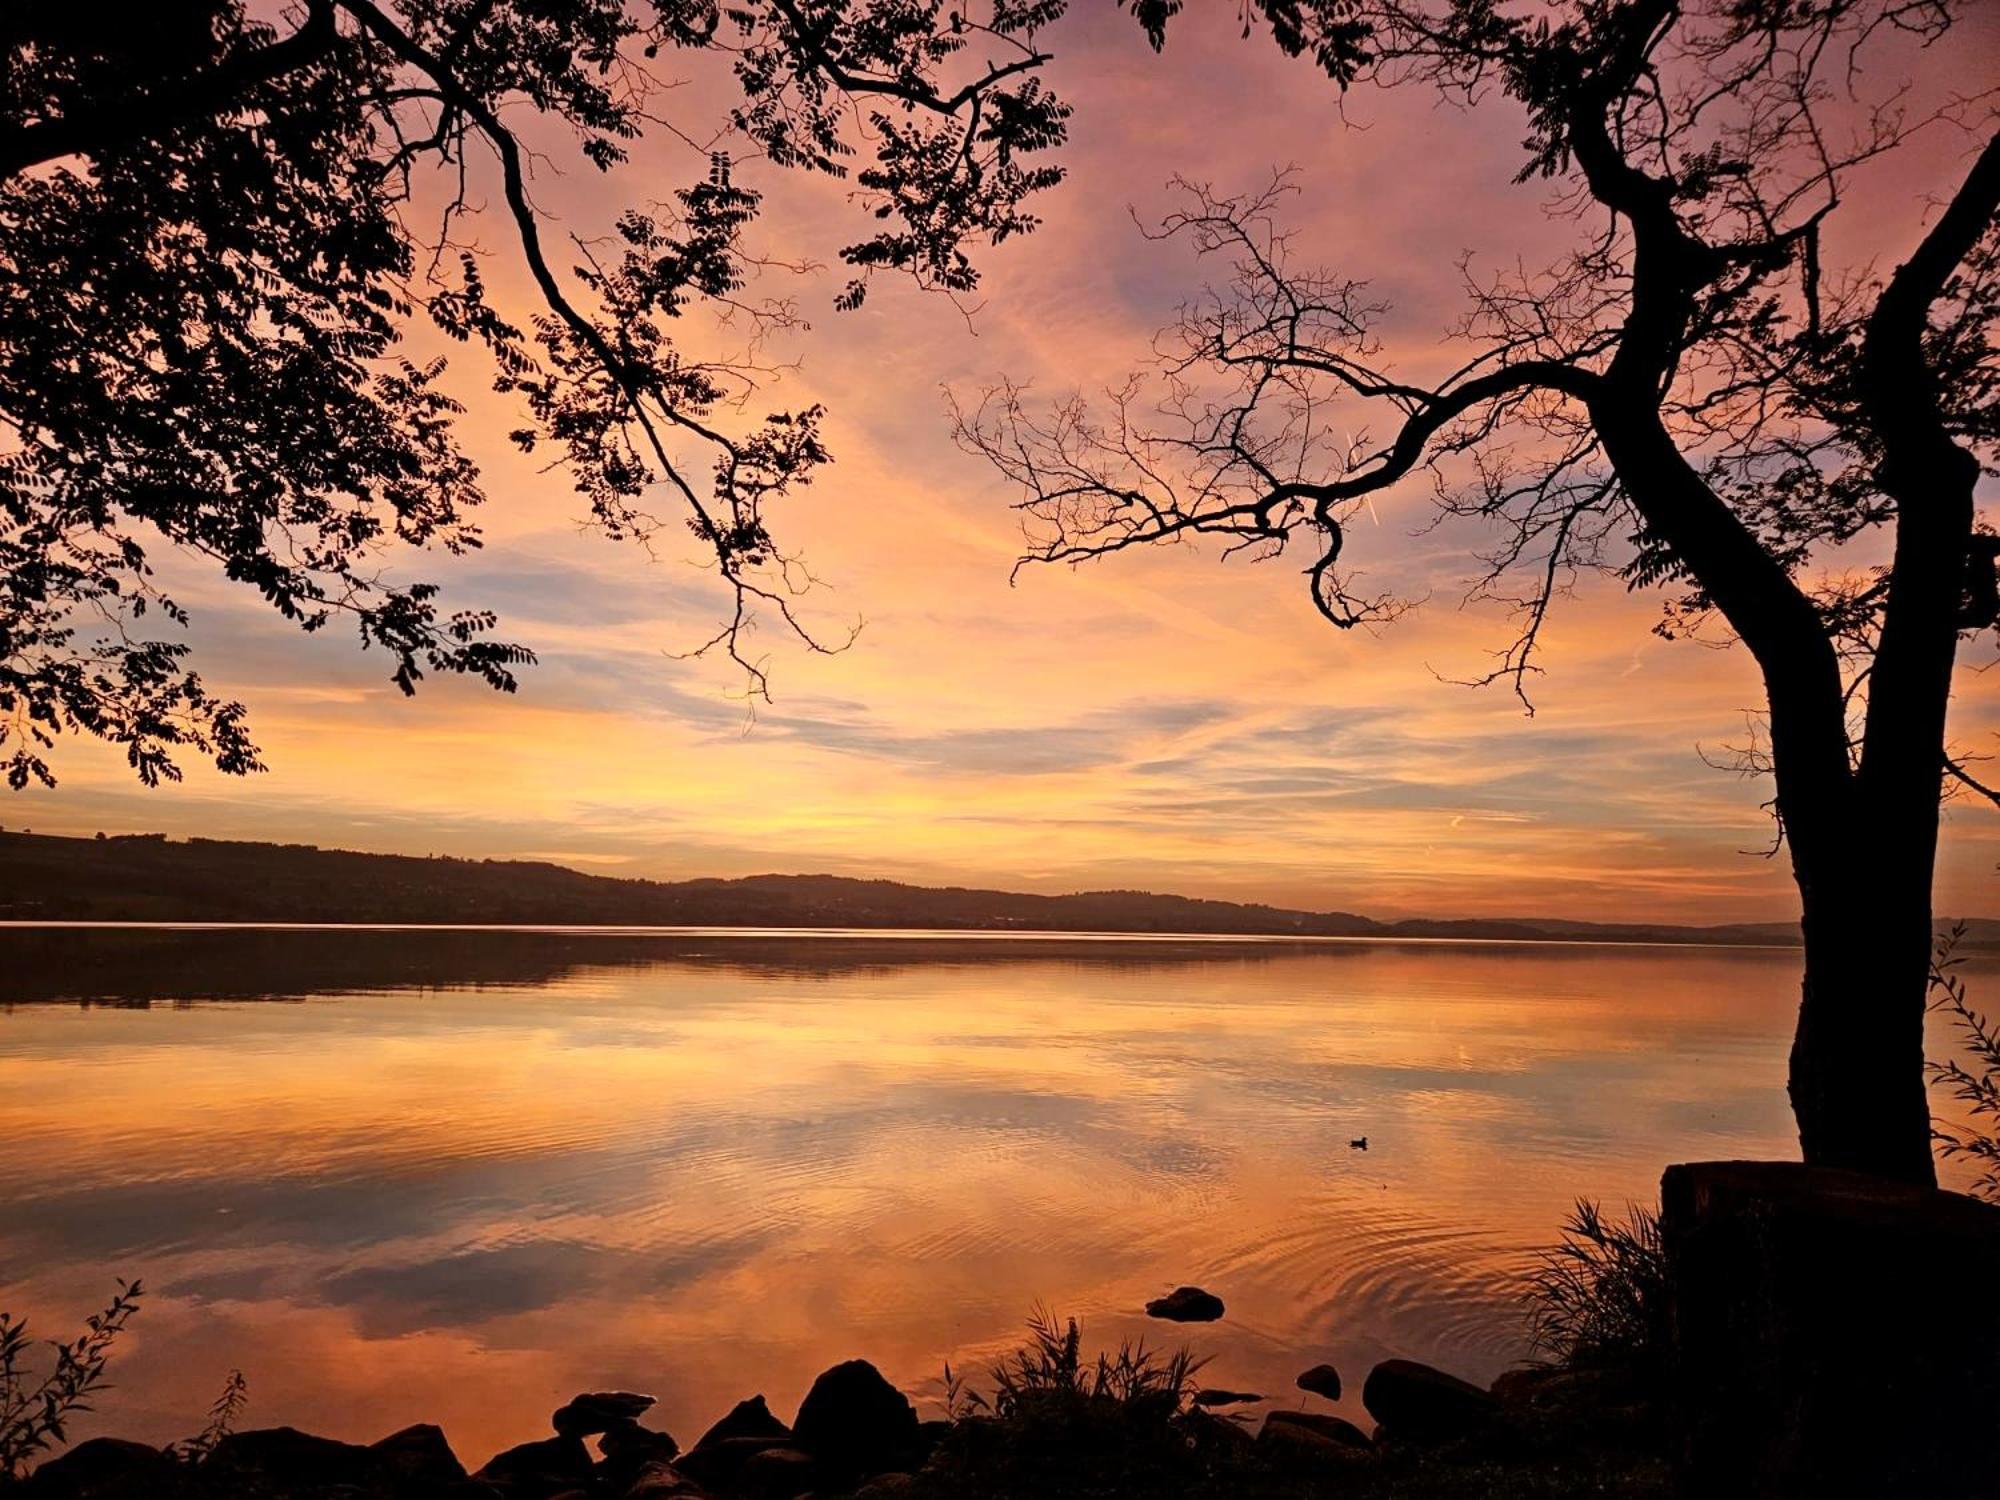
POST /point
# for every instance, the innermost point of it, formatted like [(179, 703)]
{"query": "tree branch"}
[(203, 94)]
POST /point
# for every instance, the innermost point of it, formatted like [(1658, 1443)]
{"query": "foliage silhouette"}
[(219, 234), (1694, 398)]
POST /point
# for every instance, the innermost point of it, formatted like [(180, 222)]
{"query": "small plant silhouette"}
[(1975, 1082), (222, 1417), (1051, 1362), (34, 1414)]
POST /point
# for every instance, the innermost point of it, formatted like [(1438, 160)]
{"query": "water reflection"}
[(464, 1175)]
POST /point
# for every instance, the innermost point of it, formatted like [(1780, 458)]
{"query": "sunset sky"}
[(1161, 720)]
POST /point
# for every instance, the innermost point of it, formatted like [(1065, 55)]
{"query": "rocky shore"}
[(856, 1435)]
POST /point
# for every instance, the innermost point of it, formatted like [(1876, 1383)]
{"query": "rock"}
[(1186, 1304), (886, 1487), (1422, 1404), (855, 1422), (592, 1412), (628, 1437), (1321, 1380), (628, 1449), (539, 1469), (418, 1460), (1835, 1333), (1225, 1398), (1206, 1430), (751, 1418), (777, 1474), (1313, 1438), (283, 1459), (929, 1434), (1524, 1387), (716, 1465), (1320, 1424), (662, 1482), (105, 1469)]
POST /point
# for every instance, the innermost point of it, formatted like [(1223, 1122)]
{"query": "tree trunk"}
[(1857, 1064)]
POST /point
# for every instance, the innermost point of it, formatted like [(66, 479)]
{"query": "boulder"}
[(418, 1460), (1279, 1424), (1186, 1304), (105, 1469), (1314, 1439), (540, 1469), (661, 1482), (716, 1465), (1526, 1386), (621, 1439), (777, 1474), (1225, 1398), (1834, 1333), (855, 1422), (628, 1449), (751, 1418), (1206, 1430), (1321, 1380), (592, 1412), (284, 1459), (1421, 1404)]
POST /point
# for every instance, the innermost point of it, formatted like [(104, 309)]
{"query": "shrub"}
[(1051, 1363), (1600, 1296)]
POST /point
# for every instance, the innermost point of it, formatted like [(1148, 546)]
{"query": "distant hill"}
[(147, 878)]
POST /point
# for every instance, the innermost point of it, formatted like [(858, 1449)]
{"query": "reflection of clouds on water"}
[(583, 1167)]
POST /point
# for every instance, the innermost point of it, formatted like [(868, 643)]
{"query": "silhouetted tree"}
[(216, 232), (1692, 398)]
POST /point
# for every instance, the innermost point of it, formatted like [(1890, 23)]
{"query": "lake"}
[(458, 1176)]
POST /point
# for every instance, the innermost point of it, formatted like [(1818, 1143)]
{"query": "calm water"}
[(457, 1177)]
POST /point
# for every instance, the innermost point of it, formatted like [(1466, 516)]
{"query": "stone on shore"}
[(886, 1486), (104, 1468), (746, 1419), (1314, 1438), (662, 1482), (855, 1422), (418, 1460), (717, 1465), (283, 1459), (778, 1474), (1420, 1404), (1225, 1398), (1321, 1380), (1835, 1333), (593, 1411), (1186, 1304), (1333, 1429), (539, 1469)]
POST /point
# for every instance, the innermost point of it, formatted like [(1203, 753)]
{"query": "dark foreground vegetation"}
[(148, 878)]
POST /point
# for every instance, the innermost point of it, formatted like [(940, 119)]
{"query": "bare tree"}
[(1691, 397)]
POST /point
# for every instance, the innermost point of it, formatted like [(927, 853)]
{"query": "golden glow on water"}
[(709, 1167)]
